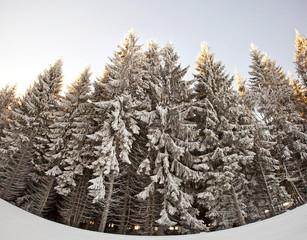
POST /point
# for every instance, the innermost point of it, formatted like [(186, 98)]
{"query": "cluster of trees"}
[(142, 148)]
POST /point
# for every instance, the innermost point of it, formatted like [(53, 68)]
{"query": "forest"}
[(142, 150)]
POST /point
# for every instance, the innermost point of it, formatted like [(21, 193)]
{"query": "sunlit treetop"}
[(301, 57)]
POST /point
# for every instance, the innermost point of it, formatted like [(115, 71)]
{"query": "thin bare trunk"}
[(8, 186), (42, 206), (271, 206), (152, 215), (300, 173), (107, 205), (77, 205), (84, 193), (70, 212), (237, 207), (82, 211), (297, 193), (123, 216), (146, 226)]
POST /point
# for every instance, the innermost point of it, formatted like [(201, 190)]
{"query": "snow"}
[(17, 224)]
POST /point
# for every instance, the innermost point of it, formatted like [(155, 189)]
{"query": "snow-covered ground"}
[(16, 224)]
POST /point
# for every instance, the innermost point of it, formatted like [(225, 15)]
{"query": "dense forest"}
[(141, 150)]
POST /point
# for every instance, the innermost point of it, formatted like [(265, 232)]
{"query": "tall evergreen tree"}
[(266, 194), (11, 134), (71, 152), (169, 134), (300, 85), (26, 143), (301, 57), (270, 95), (16, 154), (153, 88), (225, 151), (41, 102), (116, 135), (7, 102), (299, 96)]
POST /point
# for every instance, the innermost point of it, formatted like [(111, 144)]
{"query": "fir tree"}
[(266, 194), (299, 98), (116, 135), (271, 94), (7, 103), (26, 144), (154, 89), (14, 165), (169, 135), (40, 104), (301, 57), (71, 152), (300, 85), (225, 151), (69, 132)]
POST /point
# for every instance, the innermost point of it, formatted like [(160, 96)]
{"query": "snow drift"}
[(17, 224)]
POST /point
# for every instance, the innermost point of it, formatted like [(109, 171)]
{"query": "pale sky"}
[(35, 33)]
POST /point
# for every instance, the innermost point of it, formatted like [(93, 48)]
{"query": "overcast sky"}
[(34, 34)]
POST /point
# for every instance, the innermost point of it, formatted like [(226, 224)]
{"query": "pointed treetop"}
[(255, 50), (253, 47), (169, 44), (204, 53), (152, 44), (169, 51), (130, 38), (300, 40), (301, 57), (262, 56), (84, 78), (298, 35), (240, 82), (205, 47)]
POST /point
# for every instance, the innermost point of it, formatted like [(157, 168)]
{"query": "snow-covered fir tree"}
[(169, 162), (7, 103), (266, 196), (115, 136), (68, 133), (40, 104), (71, 152), (26, 143), (301, 57), (225, 138), (270, 96), (153, 89), (14, 164), (300, 85), (299, 98)]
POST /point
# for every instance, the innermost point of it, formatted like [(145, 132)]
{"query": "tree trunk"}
[(148, 215), (82, 211), (107, 205), (21, 160), (152, 214), (43, 204), (297, 193), (84, 198), (77, 205), (237, 207), (123, 216), (271, 206), (300, 173)]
